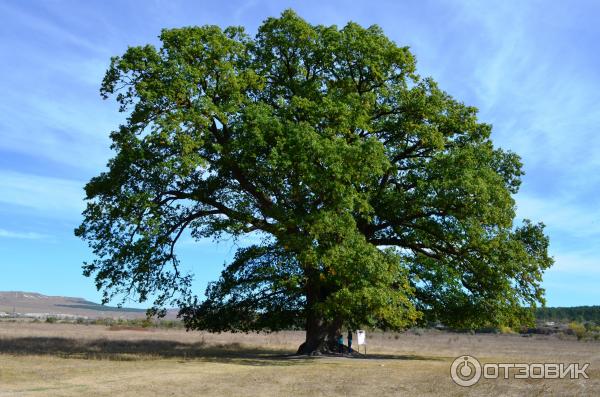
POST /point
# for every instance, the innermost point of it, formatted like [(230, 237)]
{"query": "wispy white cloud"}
[(49, 28), (61, 130), (50, 197), (21, 235), (50, 102), (579, 262), (536, 95), (561, 214)]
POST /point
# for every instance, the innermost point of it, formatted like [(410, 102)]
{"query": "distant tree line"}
[(578, 313)]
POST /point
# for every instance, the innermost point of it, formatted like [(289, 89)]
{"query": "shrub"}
[(578, 329)]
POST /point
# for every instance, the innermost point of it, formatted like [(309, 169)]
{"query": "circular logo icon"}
[(465, 371)]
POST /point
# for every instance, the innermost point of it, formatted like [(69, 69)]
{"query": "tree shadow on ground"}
[(148, 349), (134, 350), (385, 356)]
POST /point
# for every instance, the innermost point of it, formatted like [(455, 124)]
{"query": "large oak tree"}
[(374, 197)]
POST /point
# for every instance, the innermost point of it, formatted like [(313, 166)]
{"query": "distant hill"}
[(32, 304)]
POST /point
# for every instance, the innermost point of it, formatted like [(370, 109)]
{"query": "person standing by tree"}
[(340, 340)]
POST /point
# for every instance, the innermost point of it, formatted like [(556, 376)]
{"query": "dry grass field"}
[(39, 359)]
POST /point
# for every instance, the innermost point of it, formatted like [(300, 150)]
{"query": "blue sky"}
[(531, 67)]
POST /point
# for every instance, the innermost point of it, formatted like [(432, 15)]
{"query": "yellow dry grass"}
[(80, 360)]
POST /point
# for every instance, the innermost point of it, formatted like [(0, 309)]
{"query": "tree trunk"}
[(334, 329), (321, 335), (316, 331)]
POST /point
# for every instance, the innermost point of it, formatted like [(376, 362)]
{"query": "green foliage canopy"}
[(379, 199)]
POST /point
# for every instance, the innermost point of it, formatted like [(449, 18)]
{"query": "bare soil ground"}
[(74, 360)]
